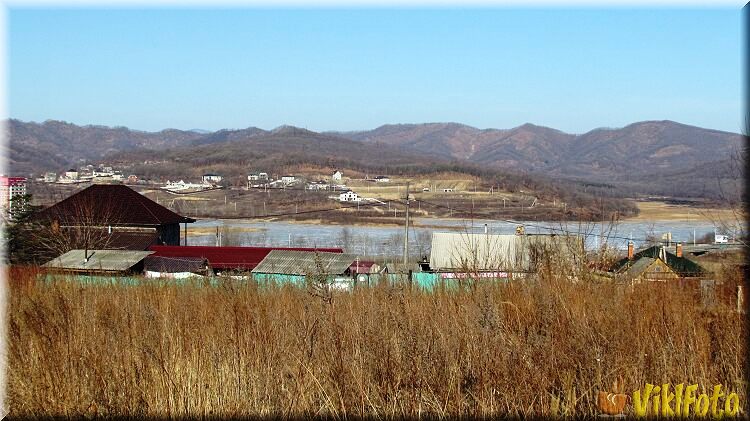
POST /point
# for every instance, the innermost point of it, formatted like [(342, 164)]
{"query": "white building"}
[(337, 176), (102, 173), (211, 178), (318, 185), (382, 179), (71, 174), (721, 239), (182, 186), (498, 252), (349, 196), (288, 179), (257, 176), (50, 177), (10, 188)]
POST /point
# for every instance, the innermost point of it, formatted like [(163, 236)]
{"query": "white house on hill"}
[(349, 196), (337, 176)]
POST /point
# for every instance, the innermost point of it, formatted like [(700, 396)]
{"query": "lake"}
[(384, 241)]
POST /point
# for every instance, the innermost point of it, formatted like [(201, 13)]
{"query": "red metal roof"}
[(240, 258), (363, 266), (110, 204)]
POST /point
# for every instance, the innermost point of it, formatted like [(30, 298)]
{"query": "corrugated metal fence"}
[(422, 280)]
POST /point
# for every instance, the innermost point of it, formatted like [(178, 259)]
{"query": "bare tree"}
[(732, 194), (80, 224), (230, 237), (345, 238)]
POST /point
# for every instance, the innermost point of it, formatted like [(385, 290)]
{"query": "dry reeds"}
[(539, 346)]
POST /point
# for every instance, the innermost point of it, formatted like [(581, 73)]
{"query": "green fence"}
[(427, 281)]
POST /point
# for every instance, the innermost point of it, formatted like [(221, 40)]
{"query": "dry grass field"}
[(661, 211), (543, 346)]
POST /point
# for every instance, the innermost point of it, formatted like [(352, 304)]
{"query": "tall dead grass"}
[(535, 347)]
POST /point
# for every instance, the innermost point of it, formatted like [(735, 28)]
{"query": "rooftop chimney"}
[(678, 249), (630, 250)]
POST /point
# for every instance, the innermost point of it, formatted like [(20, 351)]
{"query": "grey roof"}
[(401, 268), (637, 268), (457, 250), (165, 264), (98, 260), (292, 262)]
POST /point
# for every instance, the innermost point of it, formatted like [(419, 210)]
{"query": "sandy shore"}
[(661, 211)]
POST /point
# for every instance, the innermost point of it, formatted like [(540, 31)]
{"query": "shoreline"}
[(429, 222)]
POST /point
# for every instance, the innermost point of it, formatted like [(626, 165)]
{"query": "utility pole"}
[(406, 228)]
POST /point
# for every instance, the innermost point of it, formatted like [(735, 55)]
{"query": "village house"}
[(318, 185), (337, 176), (288, 179), (257, 176), (382, 179), (211, 178), (183, 187), (123, 216), (366, 272), (105, 172), (656, 264), (293, 266), (99, 262), (71, 174), (349, 196)]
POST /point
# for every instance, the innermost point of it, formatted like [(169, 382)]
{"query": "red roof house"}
[(364, 266)]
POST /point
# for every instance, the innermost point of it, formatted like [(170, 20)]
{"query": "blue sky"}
[(338, 69)]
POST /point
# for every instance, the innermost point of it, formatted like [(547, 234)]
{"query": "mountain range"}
[(614, 154), (637, 153)]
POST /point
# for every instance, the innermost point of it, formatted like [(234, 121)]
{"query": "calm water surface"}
[(388, 241)]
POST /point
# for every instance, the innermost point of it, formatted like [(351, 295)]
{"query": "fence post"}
[(740, 300), (708, 293)]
